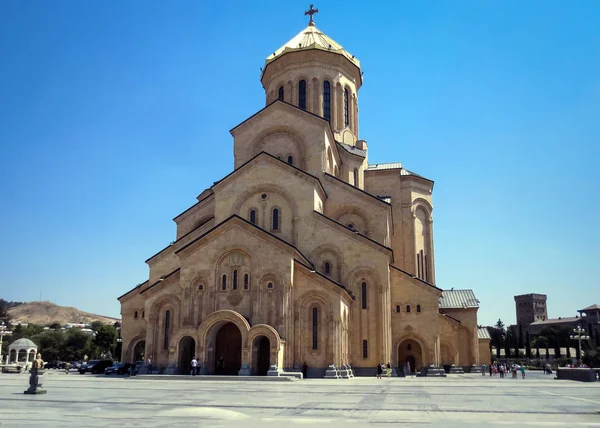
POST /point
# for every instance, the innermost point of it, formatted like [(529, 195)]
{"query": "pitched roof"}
[(413, 276), (353, 150), (395, 165), (312, 38), (551, 321), (382, 166), (590, 308), (483, 333), (458, 299)]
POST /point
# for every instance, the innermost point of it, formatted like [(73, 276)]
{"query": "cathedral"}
[(305, 254)]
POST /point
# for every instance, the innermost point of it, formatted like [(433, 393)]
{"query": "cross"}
[(311, 12)]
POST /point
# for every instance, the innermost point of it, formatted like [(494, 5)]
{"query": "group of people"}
[(387, 367), (503, 369)]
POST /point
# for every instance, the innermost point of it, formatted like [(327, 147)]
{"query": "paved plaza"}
[(459, 401)]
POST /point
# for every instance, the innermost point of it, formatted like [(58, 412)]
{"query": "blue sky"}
[(114, 116)]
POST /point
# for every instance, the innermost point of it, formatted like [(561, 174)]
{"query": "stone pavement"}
[(456, 401)]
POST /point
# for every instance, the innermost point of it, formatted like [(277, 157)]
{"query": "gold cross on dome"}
[(311, 12)]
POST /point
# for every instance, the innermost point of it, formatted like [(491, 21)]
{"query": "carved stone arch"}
[(219, 261), (338, 260), (165, 300), (363, 273), (420, 203), (270, 277), (267, 331), (265, 188), (411, 335), (258, 143), (128, 357), (344, 216), (179, 334)]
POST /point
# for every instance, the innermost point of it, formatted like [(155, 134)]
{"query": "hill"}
[(43, 313)]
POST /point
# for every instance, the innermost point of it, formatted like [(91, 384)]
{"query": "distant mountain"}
[(43, 313)]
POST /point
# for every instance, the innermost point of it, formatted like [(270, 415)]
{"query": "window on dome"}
[(281, 93), (327, 101), (302, 94)]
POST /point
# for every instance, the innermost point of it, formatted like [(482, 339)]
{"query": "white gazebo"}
[(22, 351)]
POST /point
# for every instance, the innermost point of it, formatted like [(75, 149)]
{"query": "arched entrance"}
[(138, 351), (409, 351), (187, 348), (228, 350), (261, 355)]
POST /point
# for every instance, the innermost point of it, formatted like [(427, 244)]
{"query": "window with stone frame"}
[(315, 328), (224, 282)]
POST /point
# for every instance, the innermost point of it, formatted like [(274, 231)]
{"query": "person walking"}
[(523, 371), (491, 370), (379, 370), (483, 369), (304, 370), (194, 365), (388, 369), (149, 365)]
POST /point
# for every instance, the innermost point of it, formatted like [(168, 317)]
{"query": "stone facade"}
[(305, 253)]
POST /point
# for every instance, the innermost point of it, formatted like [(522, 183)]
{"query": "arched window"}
[(407, 309), (224, 282), (275, 219), (327, 268), (167, 326), (356, 177), (327, 101), (135, 315), (364, 295), (201, 287), (397, 309), (290, 160), (281, 93), (252, 216), (346, 119), (143, 314), (315, 328), (235, 279), (246, 281), (302, 94), (418, 308), (365, 349), (270, 285)]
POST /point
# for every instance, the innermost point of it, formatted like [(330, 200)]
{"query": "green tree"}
[(75, 344), (55, 326), (527, 346), (50, 344), (498, 336), (105, 339)]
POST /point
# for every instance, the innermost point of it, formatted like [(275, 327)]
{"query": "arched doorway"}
[(187, 348), (228, 350), (409, 351), (261, 355), (13, 356), (138, 351)]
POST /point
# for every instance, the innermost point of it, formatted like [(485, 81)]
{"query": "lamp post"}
[(578, 334), (119, 344), (3, 332)]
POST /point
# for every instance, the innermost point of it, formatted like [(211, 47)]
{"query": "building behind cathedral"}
[(305, 253)]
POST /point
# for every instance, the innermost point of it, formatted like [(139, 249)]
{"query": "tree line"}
[(518, 344), (65, 345)]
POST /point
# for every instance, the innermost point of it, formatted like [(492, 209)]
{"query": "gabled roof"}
[(395, 165), (356, 234), (281, 163), (483, 333), (133, 289), (325, 277), (279, 102), (160, 280), (563, 320), (458, 299), (236, 218), (357, 189), (353, 150), (590, 308), (415, 277)]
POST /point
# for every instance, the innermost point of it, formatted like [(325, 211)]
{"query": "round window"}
[(263, 196)]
